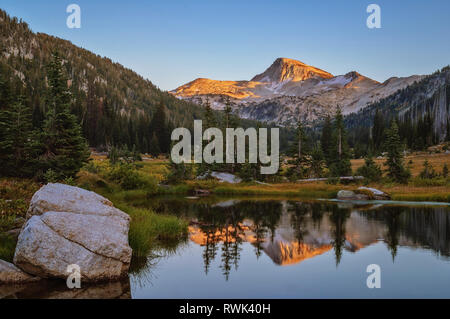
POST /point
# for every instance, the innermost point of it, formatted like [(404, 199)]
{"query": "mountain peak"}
[(284, 69)]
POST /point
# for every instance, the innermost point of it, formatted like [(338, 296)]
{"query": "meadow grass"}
[(414, 162), (311, 190)]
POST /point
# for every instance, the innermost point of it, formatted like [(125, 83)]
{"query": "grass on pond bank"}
[(7, 247)]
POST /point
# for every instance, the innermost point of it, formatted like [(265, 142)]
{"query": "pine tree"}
[(154, 146), (325, 140), (209, 119), (159, 127), (445, 171), (317, 162), (396, 169), (228, 114), (208, 122), (428, 171), (15, 145), (63, 148), (340, 152), (371, 171), (378, 131), (300, 150), (301, 141)]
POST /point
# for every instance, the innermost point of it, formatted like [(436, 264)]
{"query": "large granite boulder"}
[(71, 226), (10, 274), (65, 198)]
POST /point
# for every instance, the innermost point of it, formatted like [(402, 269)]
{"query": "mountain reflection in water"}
[(258, 248), (290, 232)]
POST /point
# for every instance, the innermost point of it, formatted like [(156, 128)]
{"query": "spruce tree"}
[(208, 122), (161, 134), (340, 152), (317, 162), (378, 131), (15, 143), (325, 140), (228, 114), (396, 169), (301, 150), (445, 171), (63, 148), (209, 119), (371, 171), (154, 146)]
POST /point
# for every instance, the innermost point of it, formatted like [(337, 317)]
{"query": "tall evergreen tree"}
[(378, 131), (154, 146), (63, 148), (340, 152), (15, 145), (160, 129), (301, 150), (396, 169), (325, 140), (209, 119), (228, 114)]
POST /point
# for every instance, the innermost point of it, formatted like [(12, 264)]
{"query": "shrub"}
[(445, 171), (51, 176), (428, 171), (126, 176), (7, 247), (370, 171)]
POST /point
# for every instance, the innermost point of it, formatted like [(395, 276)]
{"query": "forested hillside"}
[(114, 105), (421, 109)]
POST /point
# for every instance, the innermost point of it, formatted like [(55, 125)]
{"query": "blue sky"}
[(173, 42)]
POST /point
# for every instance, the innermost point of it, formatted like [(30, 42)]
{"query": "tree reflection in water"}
[(291, 231)]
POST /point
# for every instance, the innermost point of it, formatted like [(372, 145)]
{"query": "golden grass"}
[(155, 168), (436, 160), (310, 190)]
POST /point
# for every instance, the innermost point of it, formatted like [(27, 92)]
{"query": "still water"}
[(273, 248), (240, 248)]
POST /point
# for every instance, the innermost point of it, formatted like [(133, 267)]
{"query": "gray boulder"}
[(65, 198), (10, 274), (85, 230), (375, 193), (350, 195)]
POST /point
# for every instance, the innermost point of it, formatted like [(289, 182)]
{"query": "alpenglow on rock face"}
[(68, 225), (289, 90)]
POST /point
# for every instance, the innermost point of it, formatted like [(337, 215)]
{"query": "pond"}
[(284, 248), (246, 248)]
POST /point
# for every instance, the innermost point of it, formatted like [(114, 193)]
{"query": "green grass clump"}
[(7, 247), (149, 230), (7, 222)]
